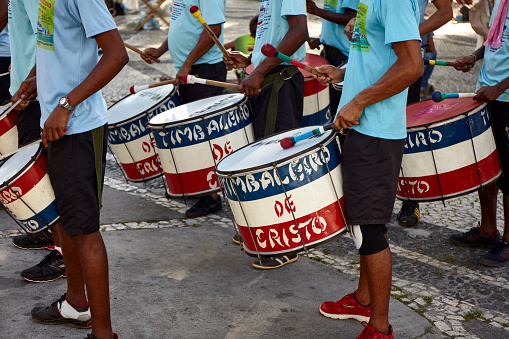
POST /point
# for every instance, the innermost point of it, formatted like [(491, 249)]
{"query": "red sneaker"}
[(372, 332), (346, 308)]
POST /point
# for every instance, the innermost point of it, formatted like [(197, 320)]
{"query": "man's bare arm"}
[(442, 16)]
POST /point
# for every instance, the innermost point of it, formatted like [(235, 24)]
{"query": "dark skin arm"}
[(337, 18), (113, 60), (3, 13), (442, 16), (404, 72), (297, 35), (204, 44)]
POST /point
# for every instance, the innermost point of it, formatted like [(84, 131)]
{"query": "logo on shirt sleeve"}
[(359, 31), (45, 26)]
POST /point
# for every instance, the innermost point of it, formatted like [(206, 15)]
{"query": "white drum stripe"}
[(197, 157), (316, 102), (306, 199), (38, 198), (450, 158), (133, 149), (9, 141)]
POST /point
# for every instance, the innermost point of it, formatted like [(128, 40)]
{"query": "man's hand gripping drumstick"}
[(27, 91)]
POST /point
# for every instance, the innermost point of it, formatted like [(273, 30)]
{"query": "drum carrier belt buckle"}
[(287, 77)]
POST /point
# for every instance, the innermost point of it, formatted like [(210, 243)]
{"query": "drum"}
[(192, 138), (27, 192), (316, 96), (130, 140), (285, 200), (8, 130), (450, 150)]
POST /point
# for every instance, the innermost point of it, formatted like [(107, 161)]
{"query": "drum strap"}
[(276, 80), (98, 142)]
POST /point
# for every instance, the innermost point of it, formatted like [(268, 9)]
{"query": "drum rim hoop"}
[(135, 117), (19, 173), (198, 118), (226, 174)]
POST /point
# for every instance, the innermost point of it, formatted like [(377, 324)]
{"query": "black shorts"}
[(370, 177), (29, 124), (190, 93), (499, 112), (290, 105), (72, 164), (5, 81)]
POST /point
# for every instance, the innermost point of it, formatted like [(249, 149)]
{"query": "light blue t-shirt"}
[(378, 25), (185, 30), (333, 34), (495, 67), (5, 50), (272, 27), (23, 39), (67, 53)]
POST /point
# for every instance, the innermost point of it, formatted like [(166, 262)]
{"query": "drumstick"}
[(442, 63), (1, 75), (195, 11), (190, 79), (439, 96), (290, 141), (270, 51), (12, 107), (136, 89), (140, 52)]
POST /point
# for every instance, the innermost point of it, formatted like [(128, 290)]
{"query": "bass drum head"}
[(268, 151), (17, 162), (197, 109), (428, 112), (135, 104)]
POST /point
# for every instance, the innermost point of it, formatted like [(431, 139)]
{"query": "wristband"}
[(475, 58)]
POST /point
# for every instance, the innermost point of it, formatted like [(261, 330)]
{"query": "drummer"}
[(385, 58), (409, 213), (493, 86), (194, 52), (280, 105), (336, 45), (23, 29)]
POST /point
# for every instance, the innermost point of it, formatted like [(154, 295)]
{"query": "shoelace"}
[(369, 330), (50, 257), (497, 250), (60, 300), (408, 209)]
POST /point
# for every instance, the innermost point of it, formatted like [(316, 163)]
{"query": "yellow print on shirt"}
[(359, 31), (45, 26)]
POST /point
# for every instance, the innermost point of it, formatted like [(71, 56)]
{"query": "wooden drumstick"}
[(136, 89), (190, 79), (270, 51), (442, 63), (1, 75), (195, 11), (12, 107), (132, 48), (439, 96), (290, 141)]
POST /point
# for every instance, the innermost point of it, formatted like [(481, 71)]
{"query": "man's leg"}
[(92, 254), (488, 202)]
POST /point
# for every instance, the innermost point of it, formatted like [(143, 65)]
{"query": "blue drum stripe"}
[(449, 134), (48, 215), (319, 118), (122, 133), (192, 133), (298, 173)]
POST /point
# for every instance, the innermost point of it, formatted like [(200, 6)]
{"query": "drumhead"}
[(196, 109), (18, 162), (428, 112), (268, 151), (134, 104)]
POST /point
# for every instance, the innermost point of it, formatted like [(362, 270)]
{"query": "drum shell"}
[(132, 141), (461, 150), (8, 132), (267, 221), (29, 196), (190, 149)]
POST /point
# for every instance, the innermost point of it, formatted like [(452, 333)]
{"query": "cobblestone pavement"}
[(443, 283)]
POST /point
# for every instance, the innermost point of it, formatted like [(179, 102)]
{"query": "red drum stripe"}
[(462, 180), (8, 122), (195, 182), (311, 87), (142, 170), (283, 238)]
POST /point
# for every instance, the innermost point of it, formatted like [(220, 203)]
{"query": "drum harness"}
[(276, 80)]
